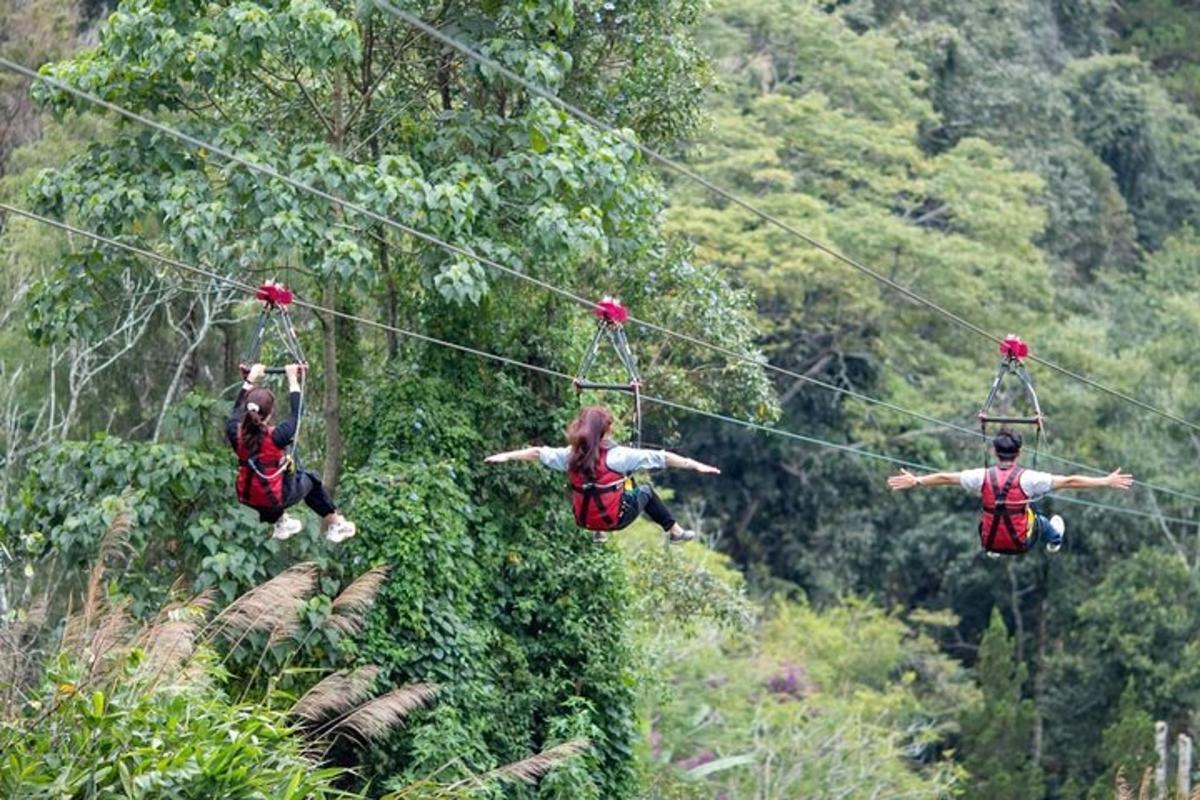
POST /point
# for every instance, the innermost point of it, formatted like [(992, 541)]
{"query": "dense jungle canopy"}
[(1016, 165)]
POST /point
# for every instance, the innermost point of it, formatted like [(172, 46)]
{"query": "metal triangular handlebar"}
[(608, 328), (1012, 366), (274, 314)]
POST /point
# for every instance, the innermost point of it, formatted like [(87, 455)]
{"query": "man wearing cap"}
[(1009, 525)]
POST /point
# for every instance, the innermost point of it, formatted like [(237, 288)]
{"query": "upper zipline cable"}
[(694, 176), (455, 249), (750, 424)]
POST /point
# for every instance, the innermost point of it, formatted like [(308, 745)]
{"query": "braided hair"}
[(259, 404)]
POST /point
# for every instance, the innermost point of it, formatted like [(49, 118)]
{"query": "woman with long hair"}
[(603, 494), (267, 481)]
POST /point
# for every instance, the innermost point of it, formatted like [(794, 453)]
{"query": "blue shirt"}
[(620, 459)]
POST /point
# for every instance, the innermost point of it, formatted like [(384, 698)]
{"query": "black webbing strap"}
[(264, 480), (591, 493), (1000, 499)]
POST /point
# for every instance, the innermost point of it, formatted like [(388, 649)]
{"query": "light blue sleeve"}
[(554, 457), (632, 459)]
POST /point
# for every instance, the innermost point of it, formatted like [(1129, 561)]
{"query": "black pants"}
[(643, 498), (300, 485)]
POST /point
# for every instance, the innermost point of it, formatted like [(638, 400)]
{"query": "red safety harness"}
[(1004, 527), (260, 476), (597, 502)]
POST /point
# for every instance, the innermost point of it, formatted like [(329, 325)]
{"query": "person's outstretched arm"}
[(1113, 480), (524, 454), (677, 461), (906, 480)]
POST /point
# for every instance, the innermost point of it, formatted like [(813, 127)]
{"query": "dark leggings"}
[(643, 498), (301, 485)]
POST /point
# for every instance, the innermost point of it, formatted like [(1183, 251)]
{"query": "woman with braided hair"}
[(1008, 524), (267, 479)]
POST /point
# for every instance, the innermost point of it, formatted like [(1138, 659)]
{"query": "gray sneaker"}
[(683, 535)]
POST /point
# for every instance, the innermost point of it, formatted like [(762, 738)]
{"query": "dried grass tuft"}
[(169, 646), (114, 543), (1123, 790), (169, 642), (531, 769), (351, 606), (336, 694), (112, 633), (269, 606), (374, 719)]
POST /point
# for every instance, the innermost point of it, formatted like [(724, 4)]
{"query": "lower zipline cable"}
[(745, 423)]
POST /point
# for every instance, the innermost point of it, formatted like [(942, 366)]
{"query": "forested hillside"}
[(817, 213)]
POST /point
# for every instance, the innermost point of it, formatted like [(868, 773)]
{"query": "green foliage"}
[(1138, 625), (822, 126), (1163, 33), (188, 521), (997, 731), (1148, 141), (123, 738), (1128, 744), (781, 702), (493, 593), (817, 709), (528, 186)]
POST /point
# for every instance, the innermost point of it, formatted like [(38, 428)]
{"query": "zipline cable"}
[(694, 176), (460, 251), (750, 424), (455, 249)]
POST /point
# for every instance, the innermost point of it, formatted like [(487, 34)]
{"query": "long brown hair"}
[(254, 423), (585, 434)]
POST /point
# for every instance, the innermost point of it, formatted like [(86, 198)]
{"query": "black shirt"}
[(282, 435)]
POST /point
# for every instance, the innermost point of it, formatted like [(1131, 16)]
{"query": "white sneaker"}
[(599, 537), (287, 527), (1060, 527), (341, 530)]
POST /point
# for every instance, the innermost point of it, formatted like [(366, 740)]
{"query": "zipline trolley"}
[(275, 299), (610, 325)]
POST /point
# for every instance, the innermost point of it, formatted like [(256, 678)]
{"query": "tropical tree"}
[(998, 731)]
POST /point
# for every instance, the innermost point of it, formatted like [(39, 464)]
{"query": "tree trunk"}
[(331, 401), (331, 410), (1039, 679), (232, 354), (1018, 619), (392, 301), (390, 314)]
